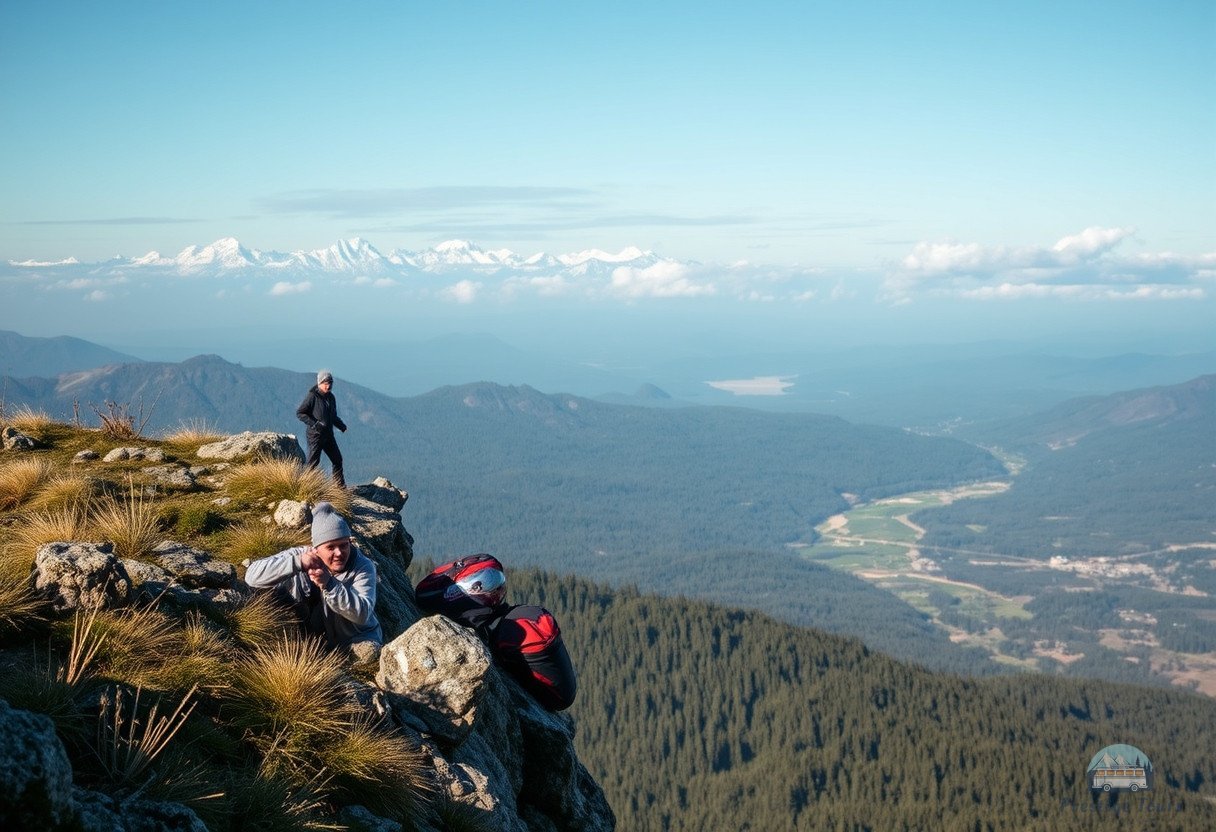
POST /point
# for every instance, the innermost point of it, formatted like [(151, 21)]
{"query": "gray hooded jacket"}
[(348, 602)]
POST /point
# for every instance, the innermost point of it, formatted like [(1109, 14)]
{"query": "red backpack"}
[(471, 591), (528, 645)]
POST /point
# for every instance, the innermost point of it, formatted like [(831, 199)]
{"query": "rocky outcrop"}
[(15, 440), (36, 789), (74, 575), (35, 775), (249, 444), (176, 477), (497, 760), (496, 753)]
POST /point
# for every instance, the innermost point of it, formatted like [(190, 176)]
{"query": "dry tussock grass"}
[(194, 434), (20, 606), (377, 768), (290, 694), (132, 525), (41, 527), (20, 479), (253, 540), (260, 622), (137, 642), (29, 421), (267, 480), (63, 490)]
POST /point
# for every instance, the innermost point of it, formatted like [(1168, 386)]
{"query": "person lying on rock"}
[(330, 585)]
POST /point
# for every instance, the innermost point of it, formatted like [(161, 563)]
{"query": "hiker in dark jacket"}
[(319, 411)]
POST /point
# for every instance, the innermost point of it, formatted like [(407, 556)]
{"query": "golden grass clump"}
[(63, 490), (290, 694), (193, 434), (71, 523), (378, 768), (268, 480), (20, 480), (21, 607), (29, 421), (199, 659), (259, 621), (253, 540), (132, 525), (137, 643)]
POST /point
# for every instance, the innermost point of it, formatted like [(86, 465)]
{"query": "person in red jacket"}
[(319, 411)]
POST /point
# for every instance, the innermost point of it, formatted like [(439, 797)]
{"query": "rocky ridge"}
[(492, 754)]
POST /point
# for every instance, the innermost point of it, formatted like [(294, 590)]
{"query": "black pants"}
[(326, 442)]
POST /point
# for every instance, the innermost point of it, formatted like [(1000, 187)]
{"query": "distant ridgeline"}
[(700, 501), (695, 717)]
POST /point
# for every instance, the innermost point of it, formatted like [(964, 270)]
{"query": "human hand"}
[(314, 567), (342, 429)]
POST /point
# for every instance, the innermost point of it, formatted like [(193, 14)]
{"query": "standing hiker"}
[(319, 411)]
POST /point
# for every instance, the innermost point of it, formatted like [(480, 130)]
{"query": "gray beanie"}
[(327, 524), (324, 375)]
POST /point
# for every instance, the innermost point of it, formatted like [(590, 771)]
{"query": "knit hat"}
[(327, 524), (324, 376)]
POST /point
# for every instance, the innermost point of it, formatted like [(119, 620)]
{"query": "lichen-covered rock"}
[(435, 672), (75, 575), (382, 492), (35, 775), (144, 454), (250, 444), (160, 816), (87, 455), (15, 440), (193, 568), (292, 514), (361, 819), (96, 812), (172, 476), (381, 536)]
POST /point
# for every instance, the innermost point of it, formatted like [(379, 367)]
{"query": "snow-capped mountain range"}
[(358, 257)]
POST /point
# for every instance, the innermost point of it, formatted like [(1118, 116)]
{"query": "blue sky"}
[(967, 151)]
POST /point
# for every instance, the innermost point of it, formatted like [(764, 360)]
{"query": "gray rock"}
[(35, 775), (484, 795), (172, 476), (267, 444), (435, 671), (87, 455), (221, 501), (160, 816), (15, 440), (145, 454), (74, 575), (380, 536), (292, 514), (193, 568), (361, 819), (96, 812), (382, 492)]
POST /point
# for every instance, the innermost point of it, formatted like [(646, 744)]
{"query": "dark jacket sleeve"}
[(304, 411), (338, 423)]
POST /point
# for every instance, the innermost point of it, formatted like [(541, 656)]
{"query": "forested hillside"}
[(696, 717), (1123, 474)]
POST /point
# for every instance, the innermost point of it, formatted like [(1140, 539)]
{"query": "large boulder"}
[(15, 440), (434, 676), (382, 491), (250, 444), (381, 536), (75, 575), (35, 775)]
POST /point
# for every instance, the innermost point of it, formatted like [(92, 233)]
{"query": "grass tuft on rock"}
[(270, 480), (131, 524)]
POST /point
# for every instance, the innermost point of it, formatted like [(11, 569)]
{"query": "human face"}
[(325, 386), (335, 553)]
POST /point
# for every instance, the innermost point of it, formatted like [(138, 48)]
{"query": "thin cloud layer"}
[(1082, 266)]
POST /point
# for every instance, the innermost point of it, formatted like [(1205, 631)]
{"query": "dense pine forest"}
[(697, 717)]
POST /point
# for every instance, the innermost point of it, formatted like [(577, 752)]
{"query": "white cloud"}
[(1085, 266), (665, 279), (284, 287), (97, 295), (384, 283), (465, 291)]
